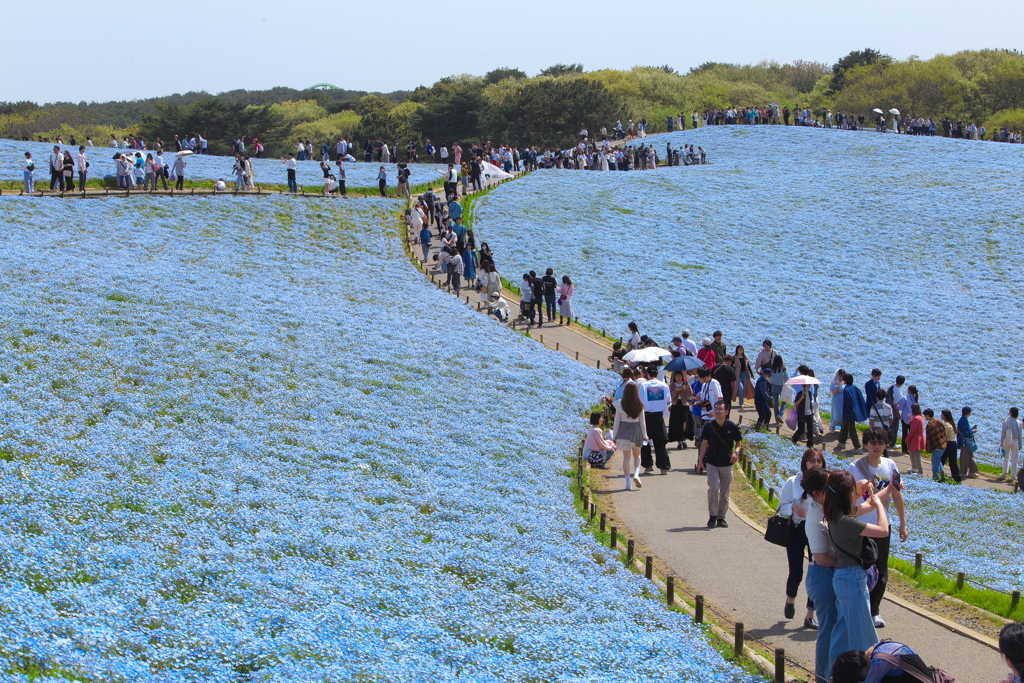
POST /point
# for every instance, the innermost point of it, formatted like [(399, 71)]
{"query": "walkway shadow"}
[(783, 629), (680, 529)]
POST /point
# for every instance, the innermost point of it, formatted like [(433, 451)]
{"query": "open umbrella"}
[(803, 379), (684, 363), (648, 355), (894, 110), (184, 153), (877, 110)]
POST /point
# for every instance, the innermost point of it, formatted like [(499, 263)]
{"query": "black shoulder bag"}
[(868, 551)]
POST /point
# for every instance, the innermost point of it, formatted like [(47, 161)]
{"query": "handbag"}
[(972, 445), (868, 551), (791, 418), (779, 531)]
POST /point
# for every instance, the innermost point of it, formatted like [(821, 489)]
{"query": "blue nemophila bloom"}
[(848, 249), (245, 438)]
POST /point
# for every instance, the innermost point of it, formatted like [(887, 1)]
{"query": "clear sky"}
[(112, 50)]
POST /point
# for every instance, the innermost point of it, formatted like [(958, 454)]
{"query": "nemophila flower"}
[(847, 249), (210, 167), (246, 438)]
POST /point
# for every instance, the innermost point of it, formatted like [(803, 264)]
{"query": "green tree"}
[(548, 111), (452, 108), (856, 58), (498, 75), (556, 70), (218, 122)]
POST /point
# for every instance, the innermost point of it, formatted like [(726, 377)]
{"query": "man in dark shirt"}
[(537, 286), (718, 347), (872, 386), (549, 293), (726, 376), (720, 442)]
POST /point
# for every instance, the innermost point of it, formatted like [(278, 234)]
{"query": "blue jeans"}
[(937, 467), (292, 185), (239, 182), (741, 387), (30, 182), (820, 590), (855, 628)]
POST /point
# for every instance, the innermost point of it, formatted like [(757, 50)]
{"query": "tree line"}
[(506, 105)]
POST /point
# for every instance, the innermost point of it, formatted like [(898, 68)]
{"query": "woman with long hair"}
[(820, 569), (793, 504), (855, 628), (741, 364), (630, 430), (779, 377), (949, 456), (565, 292), (680, 420), (835, 388)]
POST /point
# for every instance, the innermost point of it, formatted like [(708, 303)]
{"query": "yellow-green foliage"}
[(923, 88), (300, 111), (329, 128), (650, 92), (1011, 118)]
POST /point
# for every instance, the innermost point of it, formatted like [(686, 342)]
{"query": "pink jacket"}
[(915, 440)]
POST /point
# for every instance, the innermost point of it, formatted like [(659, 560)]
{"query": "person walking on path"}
[(724, 373), (719, 348), (872, 386), (949, 455), (707, 354), (680, 421), (763, 398), (835, 389), (565, 292), (425, 237), (179, 173), (382, 182), (880, 412), (630, 430), (893, 396), (820, 570), (885, 478), (550, 285), (656, 398), (633, 343), (793, 504), (779, 378), (965, 434), (82, 166), (690, 345), (29, 168), (720, 443), (766, 357), (905, 406), (854, 628), (806, 407), (935, 441), (741, 365), (853, 412), (916, 438), (56, 169), (1009, 440), (290, 165), (710, 394)]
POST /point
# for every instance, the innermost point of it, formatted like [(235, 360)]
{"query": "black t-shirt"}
[(538, 288), (721, 442), (549, 285), (725, 376)]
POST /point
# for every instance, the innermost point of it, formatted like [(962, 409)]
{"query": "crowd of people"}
[(831, 514)]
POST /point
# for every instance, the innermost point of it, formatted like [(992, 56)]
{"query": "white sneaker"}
[(637, 483), (629, 483), (879, 622)]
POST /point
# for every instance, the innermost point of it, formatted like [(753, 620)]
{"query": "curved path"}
[(739, 573)]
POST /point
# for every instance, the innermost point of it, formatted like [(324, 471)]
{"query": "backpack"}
[(933, 675)]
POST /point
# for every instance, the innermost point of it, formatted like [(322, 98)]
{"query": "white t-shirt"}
[(817, 531), (881, 476), (655, 396), (710, 392)]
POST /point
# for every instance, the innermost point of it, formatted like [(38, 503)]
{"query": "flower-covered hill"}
[(848, 249), (245, 440)]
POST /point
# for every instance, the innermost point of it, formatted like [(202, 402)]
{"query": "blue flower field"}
[(246, 440)]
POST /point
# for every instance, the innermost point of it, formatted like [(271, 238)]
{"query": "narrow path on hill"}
[(737, 571)]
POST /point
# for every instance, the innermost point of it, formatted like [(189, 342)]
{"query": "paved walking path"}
[(736, 569)]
